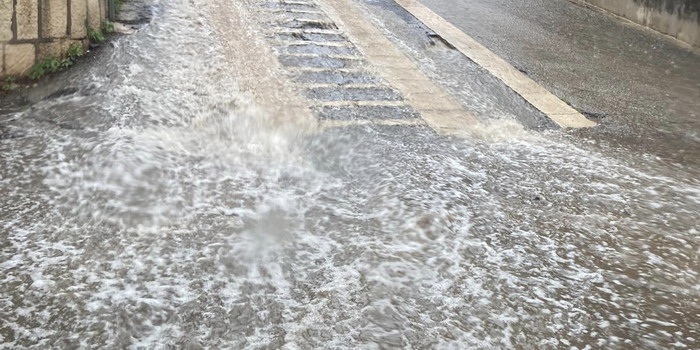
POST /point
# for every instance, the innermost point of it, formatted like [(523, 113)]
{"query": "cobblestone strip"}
[(439, 110), (330, 70)]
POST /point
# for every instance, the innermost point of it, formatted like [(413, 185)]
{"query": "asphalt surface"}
[(643, 88)]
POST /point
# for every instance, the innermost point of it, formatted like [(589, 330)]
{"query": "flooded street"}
[(150, 203)]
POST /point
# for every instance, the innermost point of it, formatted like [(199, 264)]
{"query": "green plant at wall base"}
[(52, 64), (65, 63), (107, 27), (75, 50), (95, 36), (46, 66), (8, 84)]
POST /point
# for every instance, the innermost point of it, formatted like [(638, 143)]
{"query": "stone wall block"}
[(94, 13), (2, 60), (104, 13), (5, 20), (54, 18), (19, 58), (46, 50), (27, 19), (78, 14), (65, 44), (689, 31), (677, 18)]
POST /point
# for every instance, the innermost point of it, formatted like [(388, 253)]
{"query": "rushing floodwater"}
[(154, 209)]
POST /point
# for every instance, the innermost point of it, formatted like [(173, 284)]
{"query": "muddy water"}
[(154, 208)]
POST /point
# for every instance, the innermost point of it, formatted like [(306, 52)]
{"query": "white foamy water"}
[(158, 209)]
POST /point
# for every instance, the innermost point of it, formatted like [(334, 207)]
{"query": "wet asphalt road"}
[(154, 208), (645, 87)]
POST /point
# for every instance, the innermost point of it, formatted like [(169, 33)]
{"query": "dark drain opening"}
[(318, 25), (438, 41), (595, 115)]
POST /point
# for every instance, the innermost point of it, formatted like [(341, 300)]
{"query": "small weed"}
[(66, 62), (47, 66), (107, 27), (52, 64), (75, 50), (8, 84), (95, 36)]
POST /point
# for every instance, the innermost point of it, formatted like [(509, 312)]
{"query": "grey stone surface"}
[(336, 77), (319, 50), (365, 112), (308, 24), (289, 6), (308, 37), (318, 62), (352, 94)]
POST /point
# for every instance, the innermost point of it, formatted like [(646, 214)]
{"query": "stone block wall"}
[(677, 18), (32, 30)]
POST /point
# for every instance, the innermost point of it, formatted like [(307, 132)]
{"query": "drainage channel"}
[(329, 69)]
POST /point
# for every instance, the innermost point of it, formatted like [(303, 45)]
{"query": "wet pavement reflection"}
[(150, 207)]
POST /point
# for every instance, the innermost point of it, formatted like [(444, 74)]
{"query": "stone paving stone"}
[(352, 94), (365, 112), (316, 37), (338, 69), (336, 77), (288, 6), (300, 24), (320, 50), (318, 62), (290, 16)]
